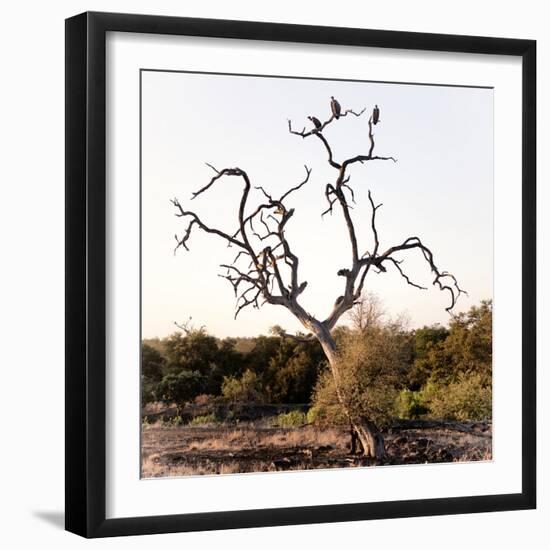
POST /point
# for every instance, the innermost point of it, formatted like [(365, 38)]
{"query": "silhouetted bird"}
[(375, 115), (335, 106), (316, 122)]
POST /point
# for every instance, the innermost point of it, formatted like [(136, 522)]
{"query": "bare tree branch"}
[(196, 221), (264, 270), (355, 275), (272, 268), (397, 263)]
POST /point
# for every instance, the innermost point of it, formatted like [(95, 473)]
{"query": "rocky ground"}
[(169, 450)]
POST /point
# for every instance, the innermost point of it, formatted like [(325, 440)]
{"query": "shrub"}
[(149, 391), (323, 415), (410, 404), (169, 421), (370, 366), (176, 421), (180, 387), (313, 415), (204, 419), (466, 399), (292, 419), (245, 388), (326, 409), (152, 363)]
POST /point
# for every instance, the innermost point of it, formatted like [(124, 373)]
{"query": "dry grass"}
[(259, 447), (250, 438), (151, 466)]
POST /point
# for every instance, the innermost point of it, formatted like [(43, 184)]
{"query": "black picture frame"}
[(86, 274)]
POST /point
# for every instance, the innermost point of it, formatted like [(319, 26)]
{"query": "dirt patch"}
[(190, 450)]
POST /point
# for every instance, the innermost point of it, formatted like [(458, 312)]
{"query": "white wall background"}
[(32, 271)]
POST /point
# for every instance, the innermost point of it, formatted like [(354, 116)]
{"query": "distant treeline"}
[(436, 371)]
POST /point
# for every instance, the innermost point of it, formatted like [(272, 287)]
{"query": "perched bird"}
[(375, 115), (316, 122), (335, 106)]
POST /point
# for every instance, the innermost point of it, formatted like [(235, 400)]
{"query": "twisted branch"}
[(355, 275), (263, 271), (272, 271)]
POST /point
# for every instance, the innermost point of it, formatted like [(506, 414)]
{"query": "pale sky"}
[(441, 190)]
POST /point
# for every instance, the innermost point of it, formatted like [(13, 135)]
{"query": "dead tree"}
[(266, 270)]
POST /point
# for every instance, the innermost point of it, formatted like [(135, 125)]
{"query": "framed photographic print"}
[(300, 274)]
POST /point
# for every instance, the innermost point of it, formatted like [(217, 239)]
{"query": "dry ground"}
[(253, 447)]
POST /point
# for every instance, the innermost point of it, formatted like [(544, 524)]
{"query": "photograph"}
[(316, 273), (292, 268)]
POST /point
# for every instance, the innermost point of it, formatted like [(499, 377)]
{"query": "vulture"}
[(335, 106), (316, 122), (375, 115)]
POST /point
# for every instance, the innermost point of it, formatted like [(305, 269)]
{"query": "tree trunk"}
[(371, 441), (363, 431)]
